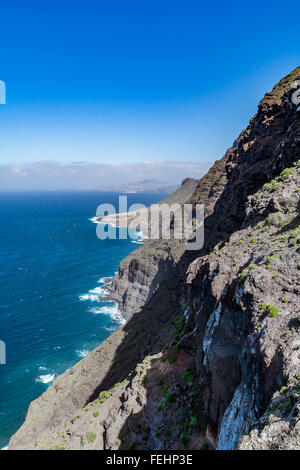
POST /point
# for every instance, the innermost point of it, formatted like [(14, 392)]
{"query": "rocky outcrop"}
[(211, 359), (142, 218), (279, 427), (145, 269), (142, 272)]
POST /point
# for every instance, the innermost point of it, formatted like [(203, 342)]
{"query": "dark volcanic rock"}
[(210, 355)]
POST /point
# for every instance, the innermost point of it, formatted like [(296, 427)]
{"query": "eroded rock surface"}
[(209, 357)]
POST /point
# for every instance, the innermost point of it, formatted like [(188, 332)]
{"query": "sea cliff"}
[(209, 356)]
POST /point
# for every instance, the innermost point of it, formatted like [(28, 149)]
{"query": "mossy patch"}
[(91, 437)]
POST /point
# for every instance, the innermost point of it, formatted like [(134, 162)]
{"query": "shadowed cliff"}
[(212, 359)]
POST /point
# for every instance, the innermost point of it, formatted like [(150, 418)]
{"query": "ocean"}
[(52, 272)]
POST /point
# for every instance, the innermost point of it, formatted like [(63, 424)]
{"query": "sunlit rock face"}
[(209, 356)]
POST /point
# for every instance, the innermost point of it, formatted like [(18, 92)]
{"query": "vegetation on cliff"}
[(210, 356)]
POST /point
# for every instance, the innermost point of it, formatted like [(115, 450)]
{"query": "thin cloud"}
[(46, 175)]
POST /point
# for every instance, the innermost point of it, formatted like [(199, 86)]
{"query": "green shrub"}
[(91, 437), (244, 274), (96, 414), (183, 439), (286, 407), (132, 446), (188, 377), (273, 311), (277, 218), (167, 400), (106, 394), (272, 186), (263, 306), (269, 258), (285, 174), (179, 321)]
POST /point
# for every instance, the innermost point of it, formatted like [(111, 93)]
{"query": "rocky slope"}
[(145, 269), (209, 358)]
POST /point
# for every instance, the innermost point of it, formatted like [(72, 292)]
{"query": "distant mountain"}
[(144, 186), (179, 197)]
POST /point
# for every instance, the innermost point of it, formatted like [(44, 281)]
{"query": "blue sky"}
[(137, 81)]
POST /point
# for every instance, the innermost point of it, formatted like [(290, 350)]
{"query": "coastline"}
[(95, 317), (99, 295)]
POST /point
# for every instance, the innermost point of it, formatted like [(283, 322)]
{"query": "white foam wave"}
[(5, 448), (105, 280), (94, 294), (100, 291), (83, 353), (93, 298), (94, 220), (95, 310), (113, 311), (45, 379), (110, 329), (142, 236)]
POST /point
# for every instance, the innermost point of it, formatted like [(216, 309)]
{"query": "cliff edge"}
[(210, 355)]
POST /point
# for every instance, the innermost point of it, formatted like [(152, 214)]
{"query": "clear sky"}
[(120, 81)]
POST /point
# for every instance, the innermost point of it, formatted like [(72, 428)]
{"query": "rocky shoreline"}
[(210, 355)]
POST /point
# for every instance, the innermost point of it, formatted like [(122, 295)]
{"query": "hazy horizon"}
[(88, 176), (114, 83)]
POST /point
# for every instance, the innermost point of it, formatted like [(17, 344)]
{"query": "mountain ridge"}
[(210, 359)]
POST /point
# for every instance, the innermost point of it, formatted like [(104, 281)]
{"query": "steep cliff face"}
[(245, 294), (145, 269), (210, 359), (142, 272)]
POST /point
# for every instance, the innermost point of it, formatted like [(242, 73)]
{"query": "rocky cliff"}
[(209, 358), (145, 269)]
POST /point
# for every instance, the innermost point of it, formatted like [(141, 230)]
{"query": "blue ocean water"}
[(50, 261)]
